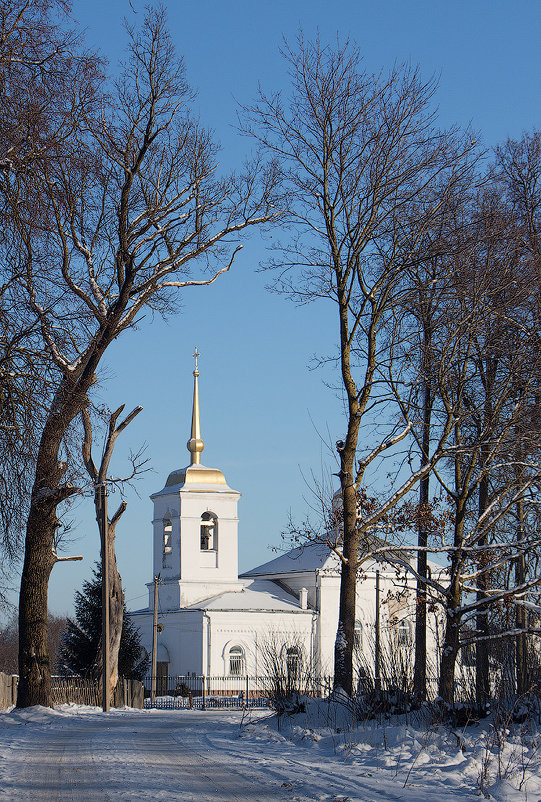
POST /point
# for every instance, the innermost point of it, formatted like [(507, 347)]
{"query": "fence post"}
[(247, 692), (203, 684)]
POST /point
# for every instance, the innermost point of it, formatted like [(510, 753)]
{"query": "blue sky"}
[(264, 412)]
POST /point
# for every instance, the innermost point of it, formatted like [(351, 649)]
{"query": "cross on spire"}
[(195, 444), (195, 355)]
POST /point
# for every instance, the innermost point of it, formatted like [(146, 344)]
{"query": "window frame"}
[(403, 633), (236, 659)]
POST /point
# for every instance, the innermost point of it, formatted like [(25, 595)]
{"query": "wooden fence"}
[(77, 690), (8, 690)]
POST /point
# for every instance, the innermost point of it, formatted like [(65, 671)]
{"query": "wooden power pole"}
[(154, 642), (101, 494), (377, 668)]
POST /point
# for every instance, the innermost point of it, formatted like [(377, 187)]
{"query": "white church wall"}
[(194, 563), (256, 633), (200, 642), (143, 622), (182, 636), (329, 602), (397, 618), (167, 564)]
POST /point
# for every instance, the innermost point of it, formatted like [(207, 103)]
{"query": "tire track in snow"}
[(193, 768), (308, 778), (58, 767), (131, 758)]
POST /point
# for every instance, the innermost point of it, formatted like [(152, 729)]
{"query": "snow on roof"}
[(314, 556), (304, 558), (258, 594)]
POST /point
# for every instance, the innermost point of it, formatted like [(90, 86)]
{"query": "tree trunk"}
[(419, 675), (343, 649), (112, 595), (116, 615), (482, 669), (448, 658), (34, 667), (520, 621), (451, 642), (344, 644), (47, 493)]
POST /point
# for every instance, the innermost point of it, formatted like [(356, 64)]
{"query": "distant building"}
[(217, 623)]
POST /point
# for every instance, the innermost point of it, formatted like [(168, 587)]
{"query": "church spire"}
[(195, 445)]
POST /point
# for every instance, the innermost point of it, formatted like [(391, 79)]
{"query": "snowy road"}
[(128, 756), (79, 754)]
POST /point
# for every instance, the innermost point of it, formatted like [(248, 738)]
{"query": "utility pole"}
[(377, 671), (101, 497), (154, 642)]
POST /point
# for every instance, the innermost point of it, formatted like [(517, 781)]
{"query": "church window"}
[(293, 663), (209, 532), (236, 661), (404, 634), (167, 537)]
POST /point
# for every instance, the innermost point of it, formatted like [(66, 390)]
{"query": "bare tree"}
[(132, 201), (40, 63), (365, 174), (425, 311), (100, 478), (518, 171), (481, 366)]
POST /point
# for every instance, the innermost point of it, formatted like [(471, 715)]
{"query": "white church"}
[(217, 623)]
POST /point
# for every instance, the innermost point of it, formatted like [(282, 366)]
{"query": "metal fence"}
[(240, 691), (233, 691)]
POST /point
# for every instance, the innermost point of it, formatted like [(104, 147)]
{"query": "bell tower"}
[(195, 527)]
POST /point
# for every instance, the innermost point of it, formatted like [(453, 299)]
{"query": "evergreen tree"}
[(81, 639)]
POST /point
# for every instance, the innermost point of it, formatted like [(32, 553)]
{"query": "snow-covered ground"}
[(80, 753)]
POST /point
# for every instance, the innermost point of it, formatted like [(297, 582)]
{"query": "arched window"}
[(293, 663), (167, 538), (403, 633), (209, 532), (236, 661)]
